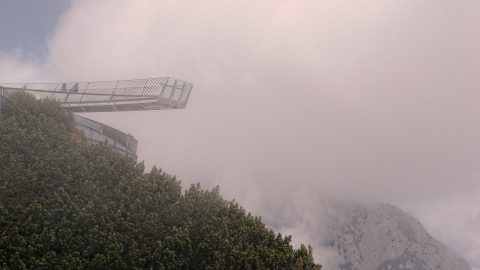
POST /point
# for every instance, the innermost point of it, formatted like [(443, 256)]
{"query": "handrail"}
[(169, 89)]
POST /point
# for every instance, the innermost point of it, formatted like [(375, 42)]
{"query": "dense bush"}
[(68, 205)]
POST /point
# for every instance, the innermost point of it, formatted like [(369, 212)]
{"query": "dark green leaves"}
[(68, 205)]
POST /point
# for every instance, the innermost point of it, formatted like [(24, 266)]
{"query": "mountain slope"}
[(65, 204), (383, 237)]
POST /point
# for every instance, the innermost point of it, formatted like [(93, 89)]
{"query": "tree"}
[(65, 204)]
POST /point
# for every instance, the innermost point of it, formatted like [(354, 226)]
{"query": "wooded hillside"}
[(68, 205)]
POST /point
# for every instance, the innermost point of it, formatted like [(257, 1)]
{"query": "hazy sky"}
[(370, 100), (26, 25)]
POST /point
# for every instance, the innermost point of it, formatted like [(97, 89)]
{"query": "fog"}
[(296, 100)]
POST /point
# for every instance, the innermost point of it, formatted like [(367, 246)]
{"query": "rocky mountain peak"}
[(384, 237)]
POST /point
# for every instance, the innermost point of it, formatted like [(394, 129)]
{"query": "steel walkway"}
[(105, 96), (102, 96)]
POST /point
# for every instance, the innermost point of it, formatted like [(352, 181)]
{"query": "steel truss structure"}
[(159, 93), (103, 96)]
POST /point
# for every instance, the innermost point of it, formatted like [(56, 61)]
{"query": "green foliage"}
[(68, 205)]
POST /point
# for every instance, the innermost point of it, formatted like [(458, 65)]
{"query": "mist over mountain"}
[(369, 100), (383, 237)]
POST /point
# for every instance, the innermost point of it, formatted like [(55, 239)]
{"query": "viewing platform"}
[(160, 93), (105, 96)]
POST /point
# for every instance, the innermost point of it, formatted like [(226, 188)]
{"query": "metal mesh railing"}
[(163, 87)]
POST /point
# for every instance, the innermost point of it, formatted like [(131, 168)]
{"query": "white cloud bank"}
[(373, 100)]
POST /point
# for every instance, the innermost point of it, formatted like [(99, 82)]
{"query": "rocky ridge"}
[(383, 237)]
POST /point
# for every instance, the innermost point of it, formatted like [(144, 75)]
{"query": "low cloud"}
[(375, 100), (14, 67)]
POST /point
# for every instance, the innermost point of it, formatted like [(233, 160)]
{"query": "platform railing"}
[(169, 88)]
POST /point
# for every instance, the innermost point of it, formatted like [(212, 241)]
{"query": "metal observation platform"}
[(160, 93)]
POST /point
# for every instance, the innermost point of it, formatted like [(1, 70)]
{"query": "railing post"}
[(173, 90), (144, 86), (55, 90), (68, 94), (84, 91), (188, 95), (163, 88), (114, 90), (181, 93)]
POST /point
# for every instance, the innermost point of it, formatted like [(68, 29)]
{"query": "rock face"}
[(383, 237)]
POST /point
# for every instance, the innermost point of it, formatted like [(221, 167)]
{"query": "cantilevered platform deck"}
[(103, 96)]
